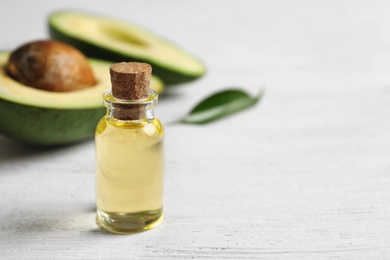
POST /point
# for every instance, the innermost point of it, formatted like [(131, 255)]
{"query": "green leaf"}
[(219, 105)]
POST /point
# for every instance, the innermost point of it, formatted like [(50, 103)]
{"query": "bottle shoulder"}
[(144, 127)]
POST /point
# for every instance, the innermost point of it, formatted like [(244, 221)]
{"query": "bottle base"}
[(128, 223)]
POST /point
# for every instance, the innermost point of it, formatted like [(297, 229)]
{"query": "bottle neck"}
[(130, 110)]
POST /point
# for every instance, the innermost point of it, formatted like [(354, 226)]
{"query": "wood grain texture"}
[(303, 175)]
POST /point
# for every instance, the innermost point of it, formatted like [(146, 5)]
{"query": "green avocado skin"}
[(47, 127), (169, 77)]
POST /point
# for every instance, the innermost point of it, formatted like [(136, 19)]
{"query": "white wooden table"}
[(303, 175)]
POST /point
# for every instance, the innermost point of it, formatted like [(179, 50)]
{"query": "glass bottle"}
[(129, 169)]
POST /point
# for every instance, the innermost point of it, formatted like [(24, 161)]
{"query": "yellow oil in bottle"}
[(129, 174)]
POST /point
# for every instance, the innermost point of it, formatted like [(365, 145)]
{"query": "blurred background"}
[(324, 44)]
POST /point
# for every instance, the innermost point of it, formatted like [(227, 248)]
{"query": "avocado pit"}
[(51, 66)]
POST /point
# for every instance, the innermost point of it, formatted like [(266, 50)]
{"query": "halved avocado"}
[(53, 118), (114, 40)]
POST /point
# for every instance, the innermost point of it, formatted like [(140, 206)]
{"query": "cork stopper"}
[(130, 81)]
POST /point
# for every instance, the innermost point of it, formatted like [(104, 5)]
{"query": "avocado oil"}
[(129, 154)]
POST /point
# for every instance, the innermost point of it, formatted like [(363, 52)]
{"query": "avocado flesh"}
[(49, 118), (114, 40)]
